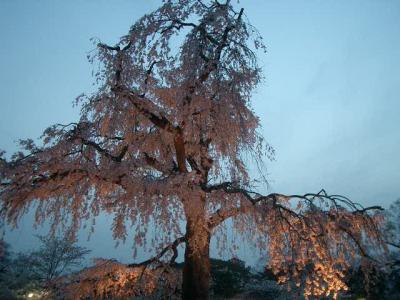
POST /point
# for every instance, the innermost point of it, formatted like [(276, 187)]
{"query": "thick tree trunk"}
[(196, 271)]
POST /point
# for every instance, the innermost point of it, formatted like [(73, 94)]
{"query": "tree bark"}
[(196, 270)]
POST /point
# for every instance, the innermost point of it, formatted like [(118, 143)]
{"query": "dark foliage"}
[(229, 277)]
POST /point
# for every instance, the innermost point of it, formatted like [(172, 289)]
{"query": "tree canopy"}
[(166, 139)]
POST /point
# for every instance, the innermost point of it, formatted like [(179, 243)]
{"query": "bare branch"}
[(111, 48), (114, 48), (156, 258), (254, 198), (117, 158)]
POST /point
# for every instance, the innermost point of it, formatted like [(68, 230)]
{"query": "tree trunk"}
[(196, 271)]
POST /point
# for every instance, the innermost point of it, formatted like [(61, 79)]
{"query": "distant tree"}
[(165, 139), (35, 270), (56, 256)]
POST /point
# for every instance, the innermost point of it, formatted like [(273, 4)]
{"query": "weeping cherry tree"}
[(165, 143)]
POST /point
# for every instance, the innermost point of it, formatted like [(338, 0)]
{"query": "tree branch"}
[(254, 198), (147, 108), (156, 258), (60, 175), (117, 158)]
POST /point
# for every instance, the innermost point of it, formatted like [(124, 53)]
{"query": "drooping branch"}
[(396, 245), (178, 24), (123, 280), (111, 48), (254, 198), (171, 247), (115, 158), (39, 180), (363, 252), (314, 238)]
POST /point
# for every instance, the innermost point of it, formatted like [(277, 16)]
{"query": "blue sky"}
[(329, 104)]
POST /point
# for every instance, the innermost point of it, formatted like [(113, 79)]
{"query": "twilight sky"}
[(329, 105)]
